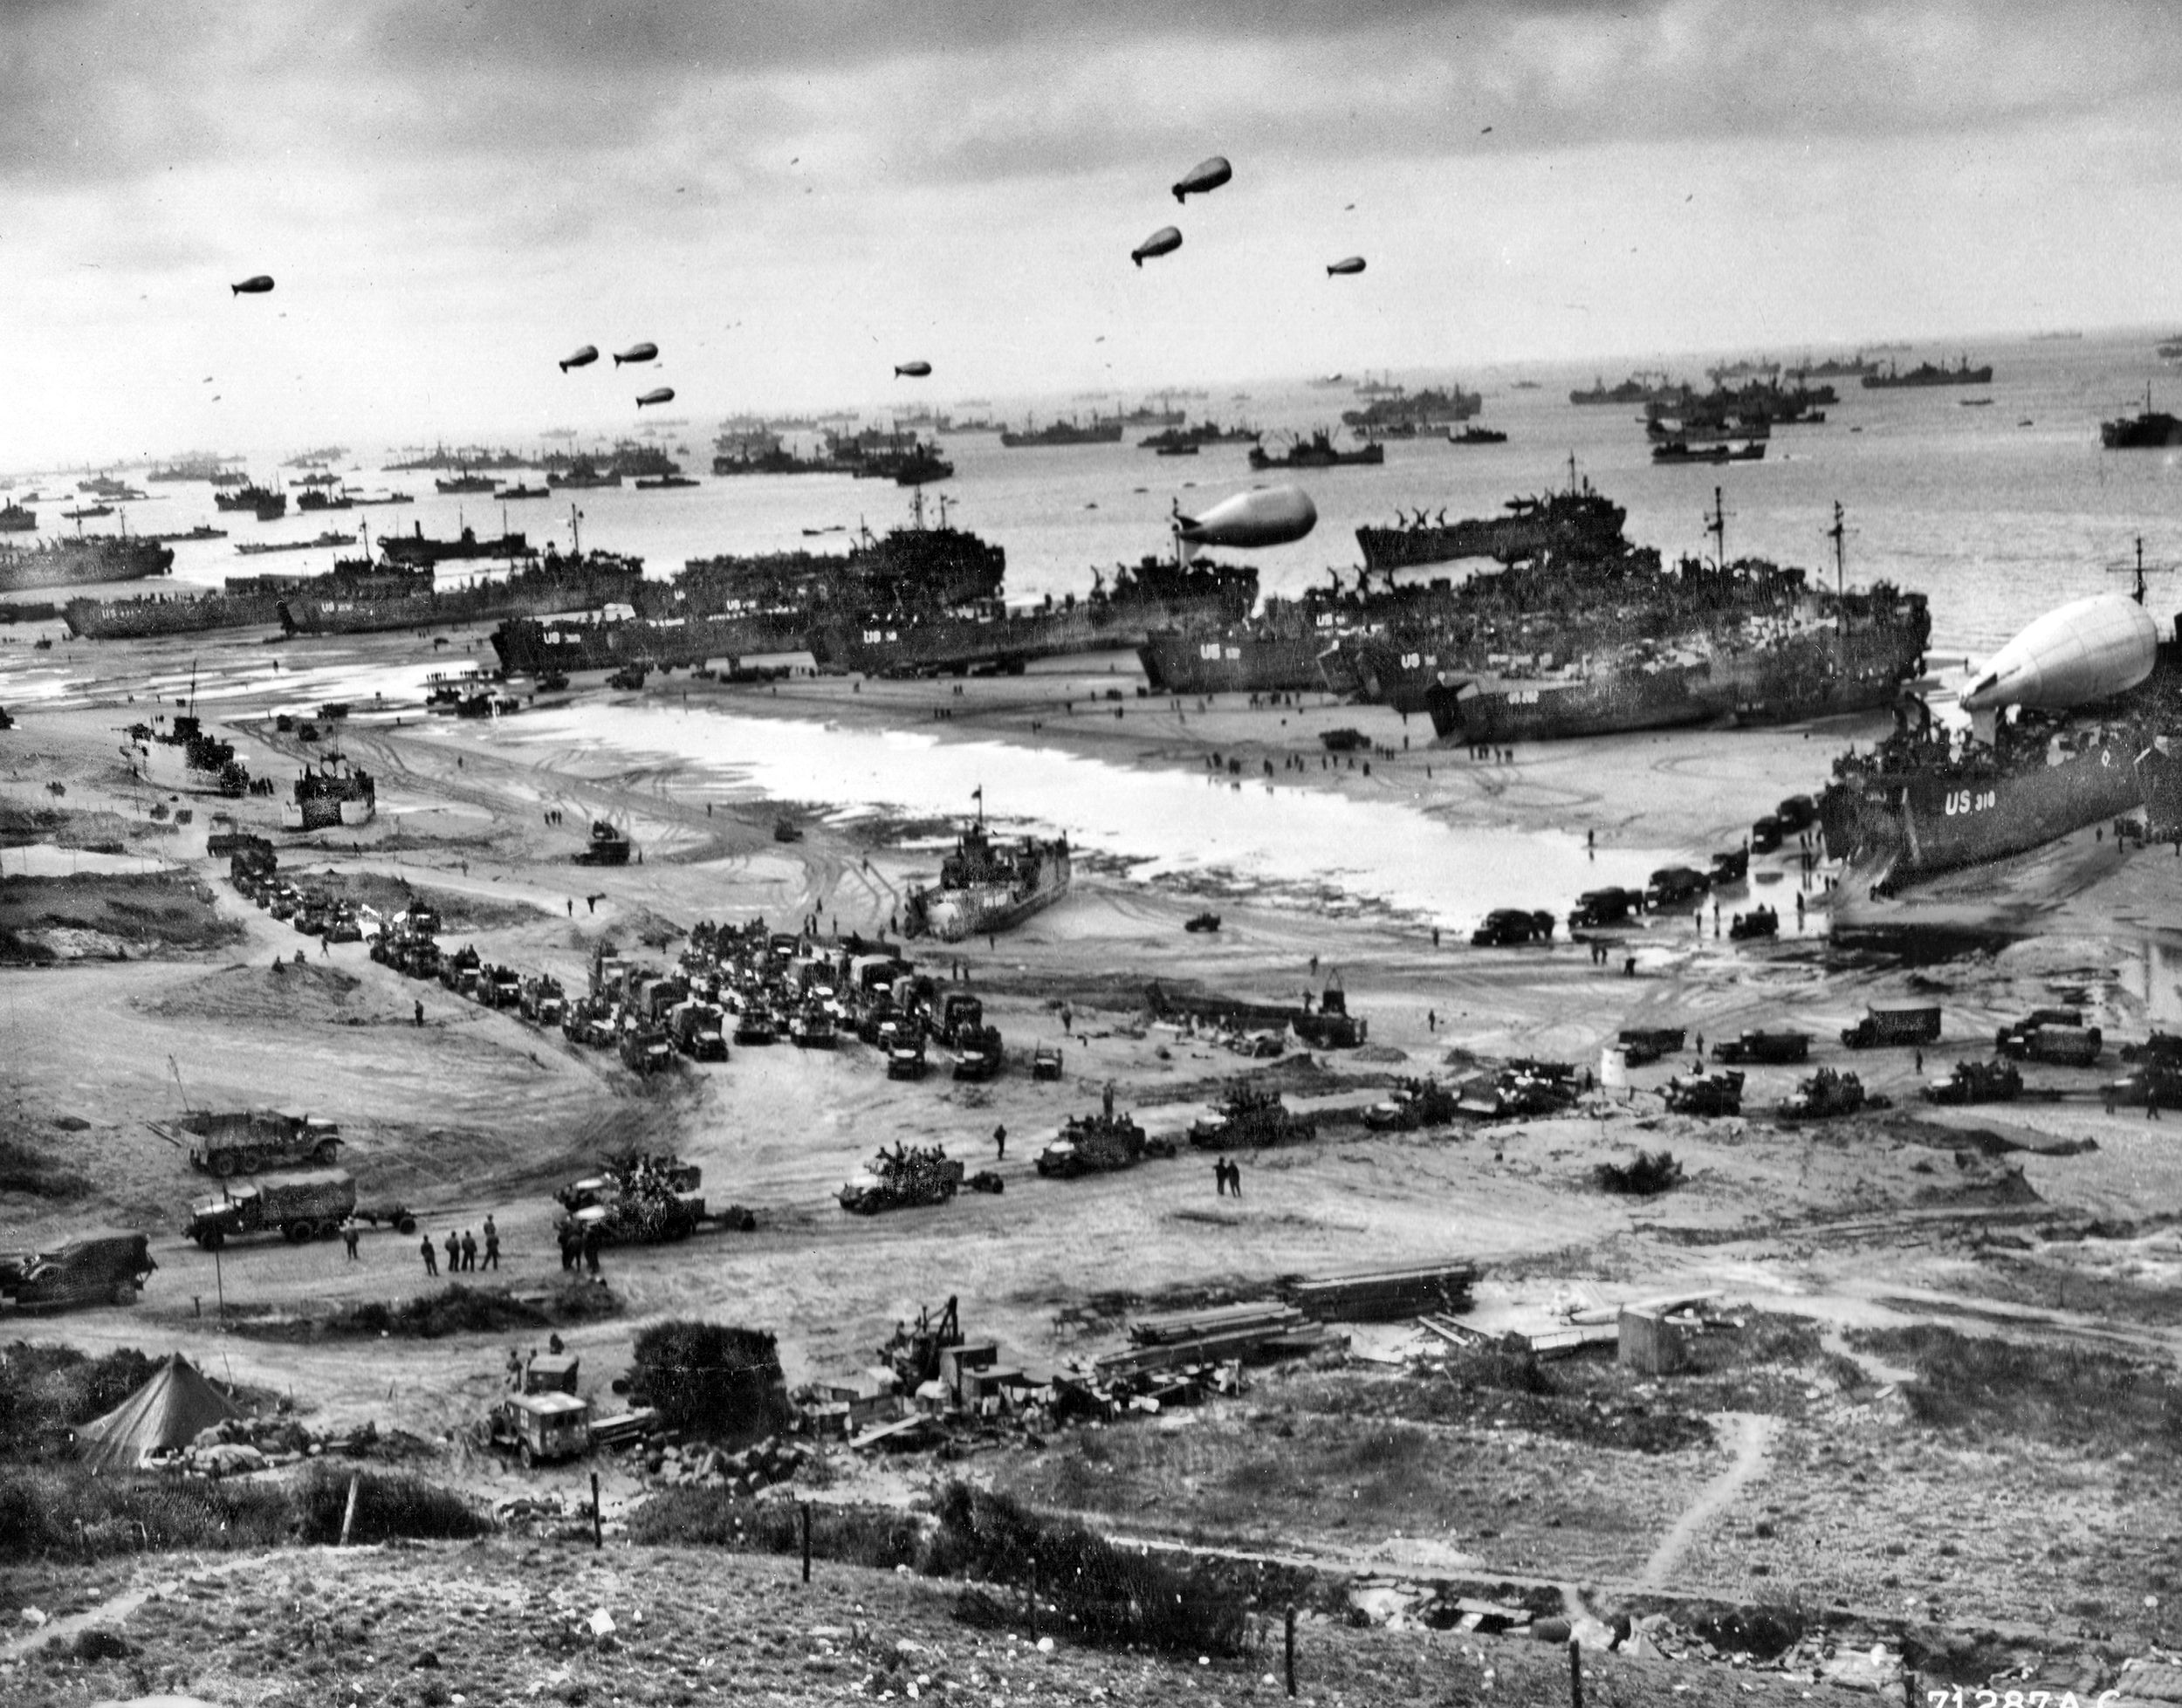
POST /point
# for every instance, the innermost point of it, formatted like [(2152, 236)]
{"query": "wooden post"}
[(1910, 1692), (1291, 1647), (348, 1518), (807, 1541), (1034, 1595), (1576, 1675), (598, 1529)]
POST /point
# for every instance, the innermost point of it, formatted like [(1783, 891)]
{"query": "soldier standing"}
[(420, 1011), (349, 1234), (431, 1262), (470, 1250), (1000, 1143), (1219, 1175), (492, 1245), (591, 1249), (454, 1253), (1235, 1178)]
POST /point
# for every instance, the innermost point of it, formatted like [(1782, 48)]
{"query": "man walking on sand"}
[(1219, 1175), (431, 1262)]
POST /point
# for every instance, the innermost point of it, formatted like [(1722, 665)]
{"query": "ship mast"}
[(1839, 534), (1716, 525)]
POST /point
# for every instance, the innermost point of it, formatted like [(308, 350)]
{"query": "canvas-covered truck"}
[(313, 1204), (1900, 1024), (2061, 1045), (106, 1267), (228, 1142)]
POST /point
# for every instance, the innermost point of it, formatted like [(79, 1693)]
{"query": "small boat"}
[(507, 492), (1203, 922), (661, 482), (1679, 451), (1476, 436), (88, 510)]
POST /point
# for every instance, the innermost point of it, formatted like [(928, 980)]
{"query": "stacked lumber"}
[(1269, 1316), (1382, 1295)]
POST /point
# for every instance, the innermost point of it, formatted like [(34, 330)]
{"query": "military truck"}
[(1045, 1061), (106, 1267), (228, 1142), (1505, 927), (905, 1055), (297, 1206), (458, 972), (1775, 1044), (1796, 814), (646, 1049), (1978, 1082), (956, 1016), (811, 1027), (1730, 867), (1412, 1104), (699, 1031), (1897, 1023), (1673, 886), (1251, 1116), (902, 1179), (1641, 1046), (539, 1428), (2061, 1044), (1824, 1095), (979, 1054), (1717, 1092), (500, 987), (1610, 906), (542, 1002)]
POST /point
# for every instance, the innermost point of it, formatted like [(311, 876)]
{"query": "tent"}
[(168, 1410)]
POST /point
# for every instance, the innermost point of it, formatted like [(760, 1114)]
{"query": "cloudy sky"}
[(789, 198)]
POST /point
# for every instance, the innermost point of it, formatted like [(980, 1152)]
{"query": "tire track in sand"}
[(1754, 1438)]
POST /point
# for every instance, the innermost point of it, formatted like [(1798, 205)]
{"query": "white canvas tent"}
[(168, 1410)]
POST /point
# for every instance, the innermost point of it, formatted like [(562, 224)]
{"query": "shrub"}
[(721, 1382), (388, 1504), (876, 1536), (45, 1391)]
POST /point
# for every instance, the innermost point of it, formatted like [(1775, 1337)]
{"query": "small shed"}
[(1648, 1341)]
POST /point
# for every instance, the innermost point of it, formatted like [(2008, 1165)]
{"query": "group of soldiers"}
[(462, 1250)]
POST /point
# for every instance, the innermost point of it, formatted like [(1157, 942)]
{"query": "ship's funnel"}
[(1263, 515), (2086, 651)]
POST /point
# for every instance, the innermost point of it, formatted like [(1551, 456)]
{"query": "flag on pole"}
[(978, 793)]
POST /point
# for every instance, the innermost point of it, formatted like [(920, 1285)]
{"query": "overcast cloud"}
[(791, 198)]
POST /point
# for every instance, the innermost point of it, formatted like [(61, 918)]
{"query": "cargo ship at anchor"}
[(985, 888), (2071, 725), (1578, 520)]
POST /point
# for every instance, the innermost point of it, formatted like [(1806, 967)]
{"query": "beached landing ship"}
[(2070, 723), (985, 888), (1745, 641), (1579, 519), (73, 563)]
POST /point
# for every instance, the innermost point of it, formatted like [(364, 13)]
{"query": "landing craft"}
[(638, 352), (583, 358), (1263, 515), (256, 286), (2084, 651), (1204, 176), (1165, 241), (911, 370), (1353, 265), (664, 394)]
